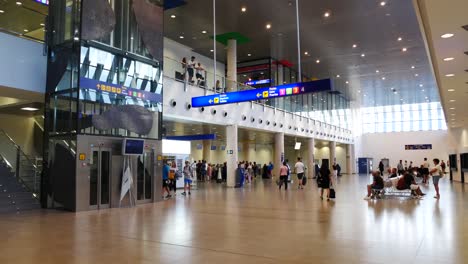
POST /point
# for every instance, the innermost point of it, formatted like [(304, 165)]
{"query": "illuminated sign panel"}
[(252, 83), (119, 90), (44, 2), (263, 93)]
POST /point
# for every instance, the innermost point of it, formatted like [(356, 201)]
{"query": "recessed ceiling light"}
[(383, 3), (337, 76), (363, 55), (395, 92), (25, 30), (365, 95), (306, 53), (421, 85), (449, 59), (422, 90), (173, 16), (203, 32), (412, 67), (400, 39), (401, 99), (76, 38), (268, 26), (181, 37), (416, 75), (452, 108), (383, 78), (347, 82), (18, 3), (359, 91), (451, 90), (447, 35), (404, 49), (452, 101), (317, 61), (249, 55), (29, 109), (450, 75), (452, 114), (377, 71), (354, 45), (243, 9), (327, 14), (211, 50), (1, 11), (42, 24)]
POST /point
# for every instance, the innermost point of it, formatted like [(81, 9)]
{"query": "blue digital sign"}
[(258, 82), (119, 90), (263, 93)]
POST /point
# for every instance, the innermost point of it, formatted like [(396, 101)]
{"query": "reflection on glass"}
[(105, 177), (93, 179)]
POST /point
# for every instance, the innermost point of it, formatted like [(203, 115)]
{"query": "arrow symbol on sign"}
[(258, 95), (210, 101)]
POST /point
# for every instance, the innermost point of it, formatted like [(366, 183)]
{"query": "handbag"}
[(332, 194)]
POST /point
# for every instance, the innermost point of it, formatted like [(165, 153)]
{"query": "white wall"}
[(21, 130), (392, 146), (22, 65), (259, 153)]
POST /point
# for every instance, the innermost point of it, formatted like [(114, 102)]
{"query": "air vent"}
[(465, 27)]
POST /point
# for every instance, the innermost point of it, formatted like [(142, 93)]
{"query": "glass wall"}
[(403, 118), (107, 64)]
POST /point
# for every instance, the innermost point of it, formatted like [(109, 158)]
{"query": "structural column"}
[(332, 152), (279, 151), (350, 159), (207, 151), (231, 84), (231, 155), (310, 163)]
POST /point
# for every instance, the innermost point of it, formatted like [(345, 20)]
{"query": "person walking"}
[(188, 173), (400, 168), (436, 174), (381, 168), (299, 169), (283, 172), (425, 171), (165, 179)]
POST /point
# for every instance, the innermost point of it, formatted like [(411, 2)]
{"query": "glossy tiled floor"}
[(257, 224)]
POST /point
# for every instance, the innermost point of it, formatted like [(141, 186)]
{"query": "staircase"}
[(19, 178)]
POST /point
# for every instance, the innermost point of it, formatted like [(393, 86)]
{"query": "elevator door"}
[(99, 180), (145, 177)]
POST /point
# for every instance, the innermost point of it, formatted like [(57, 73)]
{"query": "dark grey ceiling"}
[(374, 28)]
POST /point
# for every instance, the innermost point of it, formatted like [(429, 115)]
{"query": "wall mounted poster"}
[(418, 147)]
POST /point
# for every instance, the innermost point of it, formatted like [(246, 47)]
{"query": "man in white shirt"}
[(299, 168)]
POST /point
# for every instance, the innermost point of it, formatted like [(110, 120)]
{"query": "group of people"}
[(192, 68), (406, 177), (285, 173)]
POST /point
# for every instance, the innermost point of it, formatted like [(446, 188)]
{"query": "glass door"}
[(145, 176), (99, 180)]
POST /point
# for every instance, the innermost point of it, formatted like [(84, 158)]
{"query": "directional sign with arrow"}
[(263, 93)]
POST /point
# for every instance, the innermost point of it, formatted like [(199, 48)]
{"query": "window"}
[(408, 117)]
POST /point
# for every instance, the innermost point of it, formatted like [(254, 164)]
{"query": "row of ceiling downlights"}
[(327, 14), (188, 106), (20, 4)]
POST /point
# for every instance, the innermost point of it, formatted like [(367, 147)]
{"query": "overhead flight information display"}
[(263, 93)]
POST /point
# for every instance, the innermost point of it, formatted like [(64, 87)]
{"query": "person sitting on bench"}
[(377, 184), (407, 182)]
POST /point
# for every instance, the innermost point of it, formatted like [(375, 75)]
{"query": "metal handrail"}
[(17, 147), (207, 73)]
